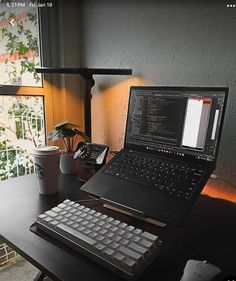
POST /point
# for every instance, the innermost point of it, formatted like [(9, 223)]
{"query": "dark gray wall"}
[(168, 43), (60, 41)]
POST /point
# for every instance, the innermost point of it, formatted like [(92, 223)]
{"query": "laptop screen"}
[(174, 120)]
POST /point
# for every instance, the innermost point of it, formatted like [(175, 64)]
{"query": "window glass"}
[(22, 127), (19, 43)]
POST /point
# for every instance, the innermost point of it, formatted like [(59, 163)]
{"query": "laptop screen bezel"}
[(186, 157)]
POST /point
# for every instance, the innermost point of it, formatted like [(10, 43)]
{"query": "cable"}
[(226, 181), (216, 177), (113, 152)]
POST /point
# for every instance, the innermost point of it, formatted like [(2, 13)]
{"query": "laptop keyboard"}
[(174, 178), (120, 247)]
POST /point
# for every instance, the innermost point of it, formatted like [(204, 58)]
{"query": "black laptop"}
[(170, 150)]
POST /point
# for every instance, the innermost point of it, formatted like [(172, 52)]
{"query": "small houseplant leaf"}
[(83, 135), (68, 132)]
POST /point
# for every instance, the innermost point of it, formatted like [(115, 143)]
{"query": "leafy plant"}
[(69, 133)]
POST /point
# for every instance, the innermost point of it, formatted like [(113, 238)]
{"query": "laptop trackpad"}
[(127, 194)]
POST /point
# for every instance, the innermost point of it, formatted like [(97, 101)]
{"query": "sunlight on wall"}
[(60, 104), (109, 112)]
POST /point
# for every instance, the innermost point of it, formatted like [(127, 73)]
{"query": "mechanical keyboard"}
[(120, 247), (174, 178)]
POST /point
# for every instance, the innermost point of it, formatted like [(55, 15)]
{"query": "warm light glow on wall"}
[(109, 112), (60, 104), (66, 105), (220, 189)]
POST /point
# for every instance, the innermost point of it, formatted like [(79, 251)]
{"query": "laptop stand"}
[(146, 219)]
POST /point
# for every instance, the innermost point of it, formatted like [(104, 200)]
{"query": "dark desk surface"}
[(209, 233)]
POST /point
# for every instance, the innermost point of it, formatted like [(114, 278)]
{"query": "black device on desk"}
[(92, 153), (170, 150)]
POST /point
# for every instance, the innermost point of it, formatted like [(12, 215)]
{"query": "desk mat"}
[(42, 234), (163, 264), (89, 268)]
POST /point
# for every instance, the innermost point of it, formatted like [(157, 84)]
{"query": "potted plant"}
[(69, 134)]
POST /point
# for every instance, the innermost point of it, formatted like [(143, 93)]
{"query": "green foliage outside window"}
[(16, 160), (13, 160), (21, 44), (19, 55)]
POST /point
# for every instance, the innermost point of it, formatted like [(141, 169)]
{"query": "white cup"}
[(47, 169)]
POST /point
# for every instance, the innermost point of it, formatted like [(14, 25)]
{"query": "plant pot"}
[(85, 170), (67, 164)]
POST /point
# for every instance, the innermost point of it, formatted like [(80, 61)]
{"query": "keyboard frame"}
[(92, 255)]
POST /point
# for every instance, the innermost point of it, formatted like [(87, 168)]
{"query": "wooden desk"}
[(209, 233)]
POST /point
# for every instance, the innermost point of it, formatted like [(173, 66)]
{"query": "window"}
[(7, 254), (22, 124), (19, 43), (21, 117), (21, 128)]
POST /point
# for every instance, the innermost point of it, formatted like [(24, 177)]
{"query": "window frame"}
[(46, 89)]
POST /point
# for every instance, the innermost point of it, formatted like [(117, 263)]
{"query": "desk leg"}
[(40, 276)]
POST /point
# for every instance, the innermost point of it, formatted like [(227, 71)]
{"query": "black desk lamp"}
[(87, 74)]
